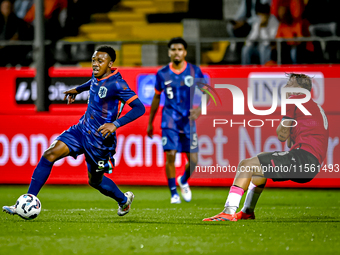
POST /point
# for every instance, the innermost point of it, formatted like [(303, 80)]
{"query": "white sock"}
[(253, 195), (233, 200)]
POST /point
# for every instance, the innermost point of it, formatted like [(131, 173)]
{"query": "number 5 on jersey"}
[(169, 92), (194, 141)]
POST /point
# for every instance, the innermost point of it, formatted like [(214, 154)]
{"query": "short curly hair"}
[(178, 40), (303, 80), (109, 50)]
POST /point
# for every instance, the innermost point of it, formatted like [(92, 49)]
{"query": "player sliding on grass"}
[(95, 133), (178, 81), (307, 141)]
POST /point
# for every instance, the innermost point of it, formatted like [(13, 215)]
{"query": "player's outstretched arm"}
[(70, 95), (283, 131), (154, 107)]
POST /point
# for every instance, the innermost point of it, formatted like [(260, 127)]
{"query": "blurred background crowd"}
[(219, 32)]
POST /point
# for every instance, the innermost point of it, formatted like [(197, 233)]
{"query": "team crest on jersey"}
[(102, 92), (189, 80)]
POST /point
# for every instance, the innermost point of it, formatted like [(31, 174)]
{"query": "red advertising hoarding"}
[(25, 134)]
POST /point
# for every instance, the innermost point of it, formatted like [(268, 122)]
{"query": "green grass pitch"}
[(80, 220)]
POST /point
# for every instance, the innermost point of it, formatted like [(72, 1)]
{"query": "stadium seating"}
[(130, 26)]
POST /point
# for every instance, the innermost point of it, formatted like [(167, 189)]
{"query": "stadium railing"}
[(151, 52)]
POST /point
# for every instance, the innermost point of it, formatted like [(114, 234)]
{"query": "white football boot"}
[(124, 209), (185, 190), (10, 209), (175, 199)]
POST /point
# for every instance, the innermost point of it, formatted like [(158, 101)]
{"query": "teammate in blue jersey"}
[(178, 80), (95, 133)]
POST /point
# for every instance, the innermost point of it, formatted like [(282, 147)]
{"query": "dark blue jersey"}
[(107, 98), (179, 88)]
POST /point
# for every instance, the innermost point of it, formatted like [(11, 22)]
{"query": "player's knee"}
[(94, 180), (94, 183), (170, 158), (193, 160), (51, 155), (247, 162), (193, 163), (243, 162), (245, 166), (170, 161), (56, 151)]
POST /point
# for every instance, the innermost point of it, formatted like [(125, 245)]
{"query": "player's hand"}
[(107, 129), (149, 131), (70, 95), (195, 113)]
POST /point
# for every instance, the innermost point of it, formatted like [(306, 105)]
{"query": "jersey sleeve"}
[(159, 84), (137, 110), (200, 80), (84, 87), (123, 92), (199, 73)]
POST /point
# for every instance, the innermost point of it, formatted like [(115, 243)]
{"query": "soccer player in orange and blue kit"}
[(95, 133), (307, 138), (178, 80)]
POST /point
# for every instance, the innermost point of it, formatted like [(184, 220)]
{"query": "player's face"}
[(292, 83), (6, 8), (101, 64), (177, 53)]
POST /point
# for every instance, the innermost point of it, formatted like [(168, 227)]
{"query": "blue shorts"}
[(77, 143), (181, 142)]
